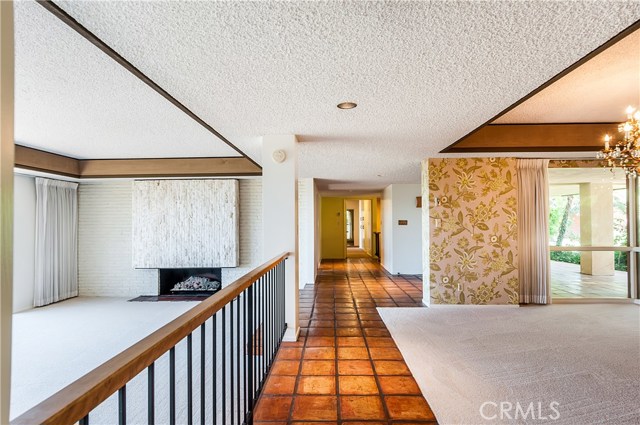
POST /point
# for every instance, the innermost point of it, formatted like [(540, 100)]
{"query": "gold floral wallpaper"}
[(575, 163), (473, 246)]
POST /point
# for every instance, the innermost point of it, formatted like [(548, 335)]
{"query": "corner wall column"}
[(280, 216), (6, 203), (426, 236)]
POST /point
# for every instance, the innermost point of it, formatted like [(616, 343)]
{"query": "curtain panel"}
[(533, 233), (56, 256)]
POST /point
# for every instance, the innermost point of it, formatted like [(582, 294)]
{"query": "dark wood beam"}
[(37, 160), (536, 138), (168, 167)]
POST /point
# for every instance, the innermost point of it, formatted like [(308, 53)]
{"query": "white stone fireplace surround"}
[(180, 226), (185, 224)]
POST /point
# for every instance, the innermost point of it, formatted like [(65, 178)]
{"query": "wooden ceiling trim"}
[(168, 167), (37, 160), (537, 138)]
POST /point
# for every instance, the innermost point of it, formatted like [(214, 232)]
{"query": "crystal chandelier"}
[(624, 153)]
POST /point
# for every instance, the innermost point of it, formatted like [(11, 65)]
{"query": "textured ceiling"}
[(74, 100), (597, 91), (423, 73)]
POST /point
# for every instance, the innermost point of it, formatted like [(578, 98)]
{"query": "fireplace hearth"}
[(168, 278)]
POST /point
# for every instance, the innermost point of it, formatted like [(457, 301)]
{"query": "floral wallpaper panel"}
[(576, 163), (473, 246)]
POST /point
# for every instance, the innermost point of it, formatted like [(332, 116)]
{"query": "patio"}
[(568, 282)]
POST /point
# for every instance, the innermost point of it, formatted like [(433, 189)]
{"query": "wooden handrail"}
[(75, 401)]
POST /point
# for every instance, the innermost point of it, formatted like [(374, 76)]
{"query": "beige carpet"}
[(585, 358), (55, 345)]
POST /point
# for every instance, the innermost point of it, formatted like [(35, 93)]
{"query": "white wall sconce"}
[(279, 156)]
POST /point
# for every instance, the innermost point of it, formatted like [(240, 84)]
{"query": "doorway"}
[(365, 225), (589, 233), (352, 215), (361, 247), (350, 228)]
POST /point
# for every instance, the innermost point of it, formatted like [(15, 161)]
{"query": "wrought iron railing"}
[(236, 333)]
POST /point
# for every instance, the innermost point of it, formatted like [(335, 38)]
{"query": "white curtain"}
[(533, 236), (56, 268)]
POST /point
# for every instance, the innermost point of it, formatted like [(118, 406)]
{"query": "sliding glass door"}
[(592, 232)]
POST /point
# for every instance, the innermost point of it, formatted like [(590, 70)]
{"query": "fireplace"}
[(168, 278)]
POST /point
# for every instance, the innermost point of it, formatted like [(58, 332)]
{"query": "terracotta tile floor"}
[(346, 368)]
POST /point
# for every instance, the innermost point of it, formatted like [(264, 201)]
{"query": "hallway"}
[(345, 366)]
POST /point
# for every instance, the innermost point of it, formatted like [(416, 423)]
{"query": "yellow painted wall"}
[(334, 243)]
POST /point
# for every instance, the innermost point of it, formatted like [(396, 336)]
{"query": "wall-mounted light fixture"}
[(279, 156)]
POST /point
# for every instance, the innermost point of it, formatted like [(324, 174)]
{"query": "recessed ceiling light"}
[(347, 105)]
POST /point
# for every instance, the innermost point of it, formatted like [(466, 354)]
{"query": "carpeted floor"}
[(585, 358), (55, 345)]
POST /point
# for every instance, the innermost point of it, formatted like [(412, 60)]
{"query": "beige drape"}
[(533, 233), (56, 254)]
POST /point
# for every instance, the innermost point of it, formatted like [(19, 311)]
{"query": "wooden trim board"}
[(537, 138), (37, 160), (168, 167)]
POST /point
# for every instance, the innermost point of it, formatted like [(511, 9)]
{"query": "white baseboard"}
[(291, 335), (636, 302), (385, 268)]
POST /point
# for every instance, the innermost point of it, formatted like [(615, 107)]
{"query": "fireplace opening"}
[(189, 282)]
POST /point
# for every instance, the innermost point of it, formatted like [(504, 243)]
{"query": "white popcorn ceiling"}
[(598, 91), (423, 73), (74, 100)]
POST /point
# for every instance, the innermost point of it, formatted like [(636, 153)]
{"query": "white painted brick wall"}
[(105, 239), (104, 245), (250, 230), (306, 223)]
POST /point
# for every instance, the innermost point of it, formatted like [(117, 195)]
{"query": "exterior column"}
[(280, 216), (6, 203), (596, 228)]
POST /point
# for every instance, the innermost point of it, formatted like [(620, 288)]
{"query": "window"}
[(588, 220)]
